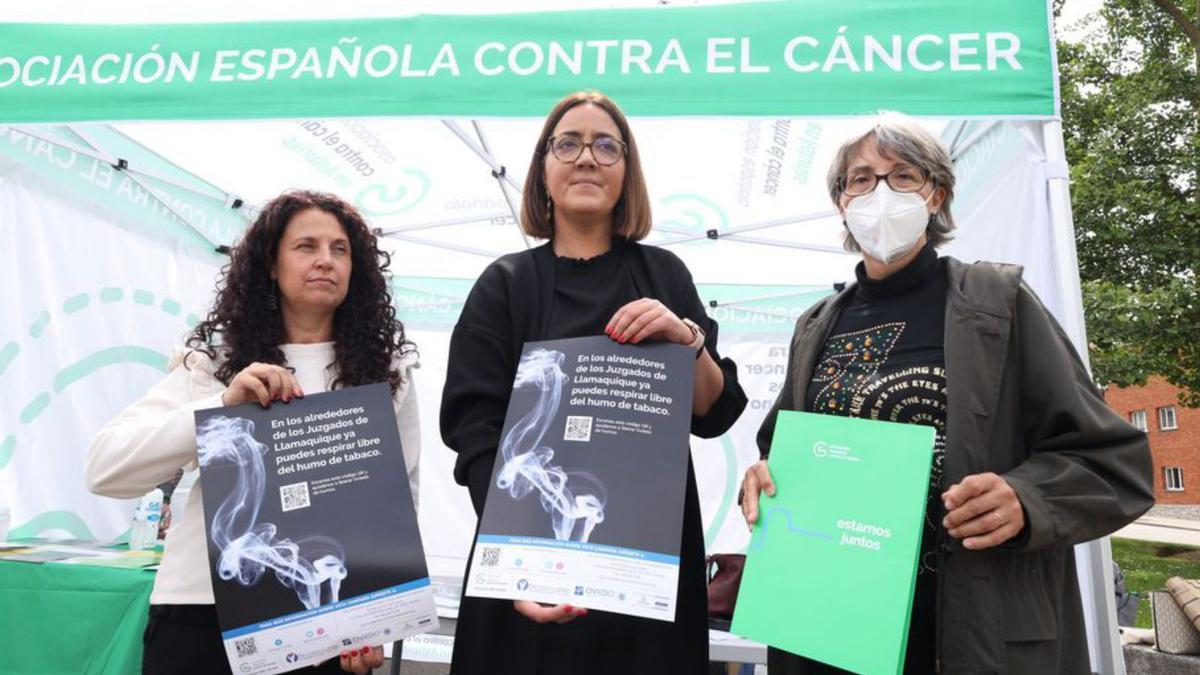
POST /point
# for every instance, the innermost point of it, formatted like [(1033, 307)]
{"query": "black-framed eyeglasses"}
[(902, 179), (605, 149)]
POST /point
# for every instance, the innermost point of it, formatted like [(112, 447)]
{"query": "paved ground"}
[(1164, 530), (1173, 511)]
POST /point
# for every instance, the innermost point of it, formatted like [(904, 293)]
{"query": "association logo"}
[(320, 631), (278, 642), (825, 450), (579, 590), (558, 566), (292, 658), (308, 634), (522, 584), (346, 642), (519, 562)]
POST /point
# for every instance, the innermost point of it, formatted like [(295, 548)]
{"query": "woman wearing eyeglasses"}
[(1028, 460), (585, 194)]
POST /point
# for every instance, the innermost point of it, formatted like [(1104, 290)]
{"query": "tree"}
[(1131, 120)]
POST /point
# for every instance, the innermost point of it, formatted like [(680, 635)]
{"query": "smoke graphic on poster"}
[(574, 511), (249, 548)]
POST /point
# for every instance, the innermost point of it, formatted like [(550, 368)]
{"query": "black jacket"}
[(508, 306), (1020, 404)]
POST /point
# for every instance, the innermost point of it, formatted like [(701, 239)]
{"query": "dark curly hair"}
[(244, 328)]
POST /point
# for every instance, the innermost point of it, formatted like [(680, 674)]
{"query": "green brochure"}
[(833, 558)]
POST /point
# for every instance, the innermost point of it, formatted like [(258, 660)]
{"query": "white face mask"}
[(887, 224)]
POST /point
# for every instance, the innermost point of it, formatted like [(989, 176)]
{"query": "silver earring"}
[(549, 209)]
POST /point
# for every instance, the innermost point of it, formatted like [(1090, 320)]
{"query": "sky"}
[(1074, 10)]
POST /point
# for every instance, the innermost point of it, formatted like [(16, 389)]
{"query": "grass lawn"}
[(1147, 566)]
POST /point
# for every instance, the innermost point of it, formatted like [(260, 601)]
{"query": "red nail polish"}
[(353, 653), (365, 650)]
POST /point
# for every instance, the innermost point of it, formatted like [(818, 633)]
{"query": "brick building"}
[(1174, 432)]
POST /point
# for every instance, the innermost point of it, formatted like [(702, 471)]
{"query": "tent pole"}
[(100, 154), (500, 176), (217, 191), (1094, 558), (492, 255), (818, 248), (483, 218), (751, 227), (498, 170), (961, 145), (952, 145)]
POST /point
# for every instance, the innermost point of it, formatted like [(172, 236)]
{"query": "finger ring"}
[(999, 518)]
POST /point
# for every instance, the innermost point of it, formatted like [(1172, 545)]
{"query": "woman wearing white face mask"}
[(1028, 460)]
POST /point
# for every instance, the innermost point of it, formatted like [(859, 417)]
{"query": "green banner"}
[(810, 57), (833, 558)]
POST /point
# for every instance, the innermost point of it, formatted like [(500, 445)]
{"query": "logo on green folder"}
[(826, 451)]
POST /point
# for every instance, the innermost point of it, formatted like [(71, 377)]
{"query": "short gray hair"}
[(900, 137)]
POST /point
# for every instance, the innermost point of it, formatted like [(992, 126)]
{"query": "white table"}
[(722, 646)]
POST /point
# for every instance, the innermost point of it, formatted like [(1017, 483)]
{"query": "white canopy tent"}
[(115, 230)]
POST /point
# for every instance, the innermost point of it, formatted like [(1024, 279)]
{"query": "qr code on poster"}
[(578, 429), (245, 647), (294, 496), (491, 557)]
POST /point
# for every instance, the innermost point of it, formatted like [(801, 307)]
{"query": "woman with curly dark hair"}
[(302, 307)]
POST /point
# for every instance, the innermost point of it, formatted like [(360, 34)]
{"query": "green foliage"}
[(1147, 566), (1131, 119)]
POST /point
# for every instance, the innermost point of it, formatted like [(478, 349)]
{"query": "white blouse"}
[(152, 439)]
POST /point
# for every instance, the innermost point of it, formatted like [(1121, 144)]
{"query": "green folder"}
[(832, 561)]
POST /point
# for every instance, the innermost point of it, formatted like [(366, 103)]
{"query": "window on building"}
[(1166, 418), (1173, 476), (1138, 419)]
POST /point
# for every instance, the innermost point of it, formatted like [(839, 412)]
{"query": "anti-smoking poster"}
[(313, 543), (586, 500)]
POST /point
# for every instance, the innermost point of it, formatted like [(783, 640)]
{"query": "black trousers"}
[(186, 640)]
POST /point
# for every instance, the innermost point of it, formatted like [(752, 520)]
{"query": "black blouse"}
[(885, 359), (588, 292), (533, 295)]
